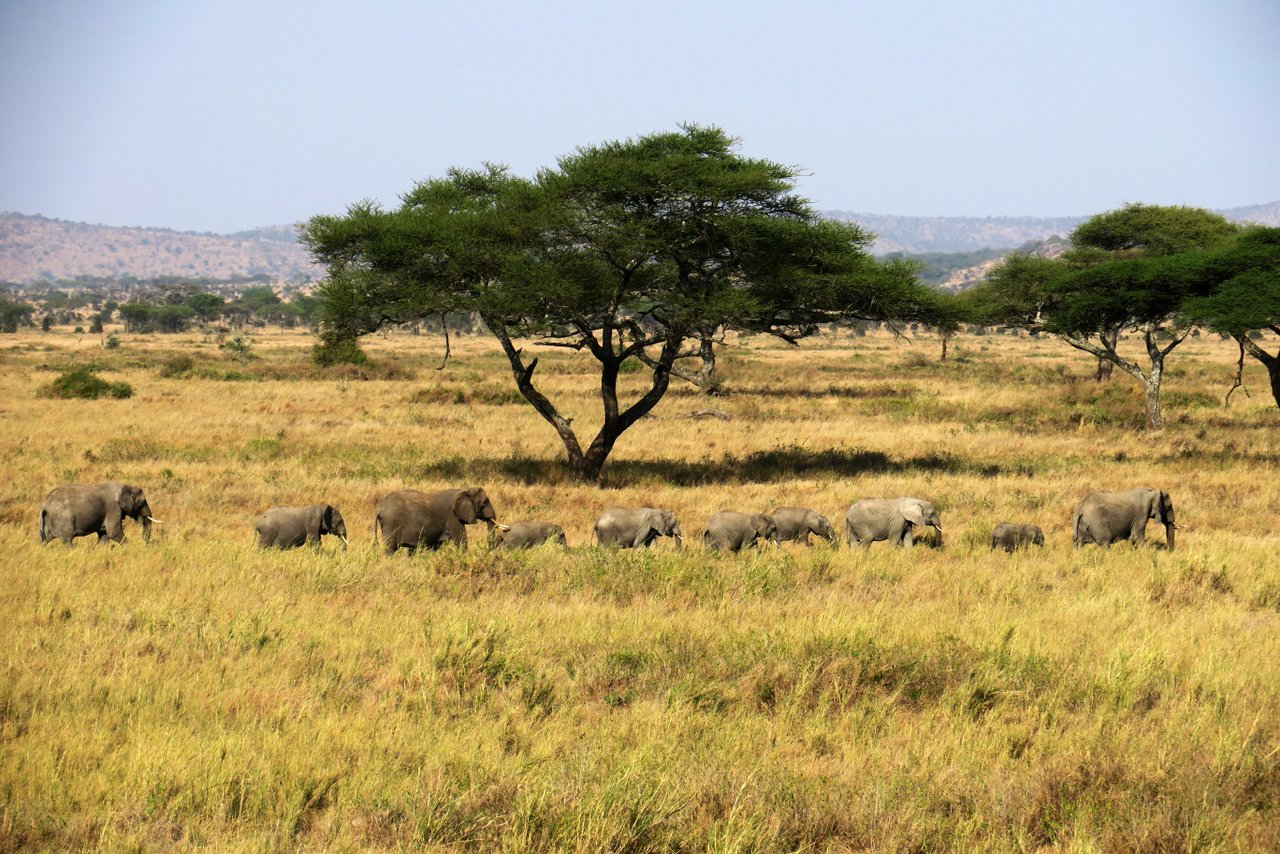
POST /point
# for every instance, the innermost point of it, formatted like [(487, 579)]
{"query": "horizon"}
[(204, 117)]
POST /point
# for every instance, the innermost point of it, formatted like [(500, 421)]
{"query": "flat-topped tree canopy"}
[(620, 250)]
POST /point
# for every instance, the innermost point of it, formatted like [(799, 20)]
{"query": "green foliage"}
[(82, 381), (238, 347), (14, 314), (1247, 296), (111, 342), (1152, 230), (338, 350), (179, 365)]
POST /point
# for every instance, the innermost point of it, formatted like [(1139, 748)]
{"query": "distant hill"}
[(919, 234), (35, 247)]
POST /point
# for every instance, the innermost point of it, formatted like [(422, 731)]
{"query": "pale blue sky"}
[(223, 116)]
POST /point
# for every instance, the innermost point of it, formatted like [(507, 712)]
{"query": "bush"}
[(239, 348), (177, 366), (111, 342), (339, 351), (83, 382)]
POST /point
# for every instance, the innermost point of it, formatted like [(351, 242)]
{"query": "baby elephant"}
[(1009, 536), (797, 523), (524, 535), (636, 527), (290, 527), (736, 531)]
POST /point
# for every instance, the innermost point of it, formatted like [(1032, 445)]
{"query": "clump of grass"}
[(177, 366), (82, 382)]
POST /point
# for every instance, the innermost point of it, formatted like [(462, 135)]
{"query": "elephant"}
[(736, 531), (74, 510), (1107, 517), (797, 523), (410, 518), (521, 535), (290, 527), (872, 519), (632, 528), (1009, 536)]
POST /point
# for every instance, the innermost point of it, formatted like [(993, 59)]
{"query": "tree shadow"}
[(781, 463)]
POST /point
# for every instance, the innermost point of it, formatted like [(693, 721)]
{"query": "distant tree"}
[(14, 314), (136, 316), (1246, 299), (624, 248), (1128, 270), (205, 307), (46, 323)]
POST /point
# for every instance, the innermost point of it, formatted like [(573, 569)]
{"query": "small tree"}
[(625, 251)]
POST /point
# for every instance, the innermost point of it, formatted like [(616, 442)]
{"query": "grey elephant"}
[(523, 535), (1009, 536), (636, 527), (412, 519), (1107, 517), (736, 531), (74, 510), (290, 527), (797, 523), (873, 519)]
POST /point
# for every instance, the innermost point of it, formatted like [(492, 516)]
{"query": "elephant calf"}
[(1107, 517), (797, 523), (736, 531), (1009, 536), (74, 510), (636, 527), (523, 535), (290, 527), (891, 519)]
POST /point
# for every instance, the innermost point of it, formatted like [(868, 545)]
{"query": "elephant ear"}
[(912, 511), (130, 500), (464, 508), (327, 516)]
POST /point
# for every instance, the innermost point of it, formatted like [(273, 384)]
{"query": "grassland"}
[(197, 692)]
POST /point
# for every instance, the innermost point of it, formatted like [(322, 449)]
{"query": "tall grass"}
[(198, 692)]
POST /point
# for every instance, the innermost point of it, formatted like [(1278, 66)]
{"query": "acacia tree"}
[(625, 250), (1246, 298), (1129, 270)]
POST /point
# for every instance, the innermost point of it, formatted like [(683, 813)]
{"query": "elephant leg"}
[(907, 540)]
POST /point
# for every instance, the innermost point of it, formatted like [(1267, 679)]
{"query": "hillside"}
[(35, 247), (921, 234)]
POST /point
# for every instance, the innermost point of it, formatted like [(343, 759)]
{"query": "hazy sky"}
[(228, 115)]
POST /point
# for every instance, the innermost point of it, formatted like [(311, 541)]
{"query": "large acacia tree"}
[(625, 250)]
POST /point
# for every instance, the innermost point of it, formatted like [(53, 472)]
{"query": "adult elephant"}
[(524, 535), (290, 527), (873, 519), (412, 519), (75, 510), (1009, 536), (797, 523), (636, 527), (1107, 517), (736, 531)]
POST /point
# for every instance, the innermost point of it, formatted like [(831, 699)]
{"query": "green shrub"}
[(338, 351), (83, 382), (111, 342)]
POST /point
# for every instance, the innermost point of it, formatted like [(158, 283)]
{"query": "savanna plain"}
[(197, 692)]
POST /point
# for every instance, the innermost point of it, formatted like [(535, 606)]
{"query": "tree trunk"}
[(1270, 362), (707, 374), (1155, 418)]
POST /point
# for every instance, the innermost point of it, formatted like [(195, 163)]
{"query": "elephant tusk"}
[(502, 527), (344, 540), (154, 519)]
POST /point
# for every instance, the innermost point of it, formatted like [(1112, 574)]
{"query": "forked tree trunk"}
[(585, 467), (1150, 379)]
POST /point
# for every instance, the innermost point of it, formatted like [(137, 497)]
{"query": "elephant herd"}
[(411, 519)]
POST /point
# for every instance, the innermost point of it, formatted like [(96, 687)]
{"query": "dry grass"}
[(200, 693)]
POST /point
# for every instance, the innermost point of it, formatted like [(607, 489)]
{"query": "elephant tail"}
[(1075, 530), (44, 531), (377, 523)]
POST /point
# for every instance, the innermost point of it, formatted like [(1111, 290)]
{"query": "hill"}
[(34, 248)]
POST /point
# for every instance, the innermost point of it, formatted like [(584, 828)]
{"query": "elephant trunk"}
[(679, 540), (146, 528), (1169, 528)]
